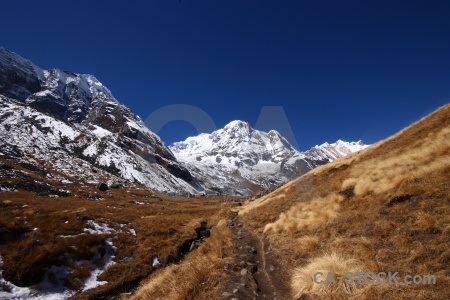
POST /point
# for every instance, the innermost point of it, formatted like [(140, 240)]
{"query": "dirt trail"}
[(253, 272)]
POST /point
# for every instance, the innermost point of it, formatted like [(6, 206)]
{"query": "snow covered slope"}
[(239, 159), (74, 122)]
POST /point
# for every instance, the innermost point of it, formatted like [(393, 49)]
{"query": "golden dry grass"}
[(38, 232), (308, 241), (393, 216), (199, 276), (304, 279), (422, 157), (307, 215), (279, 194)]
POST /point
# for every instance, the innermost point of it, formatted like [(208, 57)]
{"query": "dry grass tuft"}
[(311, 214), (337, 264), (308, 242)]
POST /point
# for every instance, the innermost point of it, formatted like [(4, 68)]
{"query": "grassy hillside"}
[(384, 209), (49, 241)]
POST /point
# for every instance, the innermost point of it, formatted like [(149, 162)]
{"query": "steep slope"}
[(63, 117), (19, 78), (384, 209), (239, 159)]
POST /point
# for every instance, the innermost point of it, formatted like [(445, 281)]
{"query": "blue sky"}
[(340, 69)]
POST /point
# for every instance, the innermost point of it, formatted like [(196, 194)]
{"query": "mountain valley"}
[(94, 205)]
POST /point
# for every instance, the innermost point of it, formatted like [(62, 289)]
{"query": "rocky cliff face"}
[(62, 116), (19, 78)]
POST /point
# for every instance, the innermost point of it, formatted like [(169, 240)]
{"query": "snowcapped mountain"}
[(239, 159), (330, 152), (71, 122)]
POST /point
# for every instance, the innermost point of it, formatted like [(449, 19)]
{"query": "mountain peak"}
[(273, 131), (26, 78), (64, 94), (237, 158), (74, 118), (237, 124)]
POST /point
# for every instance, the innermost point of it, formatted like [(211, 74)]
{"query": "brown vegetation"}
[(199, 276), (333, 263), (37, 232), (385, 209)]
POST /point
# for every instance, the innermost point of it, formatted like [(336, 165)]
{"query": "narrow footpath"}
[(253, 272)]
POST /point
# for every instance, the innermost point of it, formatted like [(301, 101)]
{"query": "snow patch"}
[(101, 228), (52, 286), (107, 261), (101, 132), (42, 291), (156, 262)]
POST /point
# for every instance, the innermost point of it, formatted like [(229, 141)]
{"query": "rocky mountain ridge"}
[(238, 159), (64, 117), (72, 122)]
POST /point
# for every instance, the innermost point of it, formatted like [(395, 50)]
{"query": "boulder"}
[(102, 186)]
